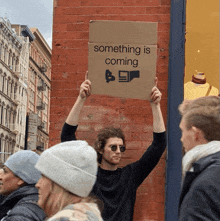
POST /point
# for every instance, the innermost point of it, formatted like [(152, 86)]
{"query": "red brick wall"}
[(69, 64)]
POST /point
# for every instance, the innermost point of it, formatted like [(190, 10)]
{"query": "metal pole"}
[(175, 97)]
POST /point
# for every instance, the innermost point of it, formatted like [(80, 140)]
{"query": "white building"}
[(14, 65)]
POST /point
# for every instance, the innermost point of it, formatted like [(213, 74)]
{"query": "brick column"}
[(69, 64)]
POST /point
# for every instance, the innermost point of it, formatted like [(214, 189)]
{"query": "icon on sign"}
[(127, 76), (109, 76)]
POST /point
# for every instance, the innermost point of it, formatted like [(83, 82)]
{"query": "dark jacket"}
[(1, 198), (200, 196), (21, 205)]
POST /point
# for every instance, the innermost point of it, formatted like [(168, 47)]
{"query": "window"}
[(5, 54), (46, 92), (17, 63), (14, 117), (6, 150), (33, 76), (2, 109), (6, 84), (201, 49), (10, 60), (15, 91), (12, 91), (18, 118), (13, 60), (21, 116), (31, 97), (10, 148), (7, 90), (9, 120), (3, 82), (6, 117)]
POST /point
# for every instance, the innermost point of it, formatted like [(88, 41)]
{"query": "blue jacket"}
[(21, 205), (200, 196)]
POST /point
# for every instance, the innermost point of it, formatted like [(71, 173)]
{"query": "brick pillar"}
[(69, 64)]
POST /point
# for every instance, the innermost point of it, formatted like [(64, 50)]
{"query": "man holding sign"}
[(117, 187)]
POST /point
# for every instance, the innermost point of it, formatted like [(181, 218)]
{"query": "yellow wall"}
[(202, 40)]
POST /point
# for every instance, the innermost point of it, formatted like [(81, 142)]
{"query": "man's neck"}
[(106, 166)]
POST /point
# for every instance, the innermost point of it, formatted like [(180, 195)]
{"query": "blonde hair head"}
[(204, 114), (59, 198)]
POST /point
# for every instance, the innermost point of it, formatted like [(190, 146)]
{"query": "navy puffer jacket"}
[(200, 196), (21, 205)]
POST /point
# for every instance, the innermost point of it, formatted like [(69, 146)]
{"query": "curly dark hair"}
[(104, 135)]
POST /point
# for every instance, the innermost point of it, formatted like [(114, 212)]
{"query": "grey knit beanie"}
[(73, 165), (22, 164)]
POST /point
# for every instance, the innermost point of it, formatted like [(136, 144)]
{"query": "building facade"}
[(25, 63), (39, 92), (14, 62), (39, 84)]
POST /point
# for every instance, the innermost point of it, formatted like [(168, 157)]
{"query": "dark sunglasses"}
[(115, 147)]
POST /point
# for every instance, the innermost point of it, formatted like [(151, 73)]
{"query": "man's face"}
[(8, 181), (108, 155), (187, 138)]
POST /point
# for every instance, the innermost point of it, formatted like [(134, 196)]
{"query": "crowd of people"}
[(74, 181)]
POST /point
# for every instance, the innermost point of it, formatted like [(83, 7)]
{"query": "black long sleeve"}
[(68, 132)]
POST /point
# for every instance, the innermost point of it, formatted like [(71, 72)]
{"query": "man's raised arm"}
[(73, 117), (70, 125), (158, 122)]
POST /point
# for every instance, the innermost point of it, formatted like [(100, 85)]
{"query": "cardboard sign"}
[(121, 63)]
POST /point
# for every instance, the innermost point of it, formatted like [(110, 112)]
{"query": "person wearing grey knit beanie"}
[(68, 173), (17, 185)]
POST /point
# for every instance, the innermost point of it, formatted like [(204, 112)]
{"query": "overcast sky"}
[(34, 13)]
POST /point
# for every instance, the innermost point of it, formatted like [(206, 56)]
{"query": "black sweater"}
[(117, 189)]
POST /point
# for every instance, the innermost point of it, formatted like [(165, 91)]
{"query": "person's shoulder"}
[(28, 207), (81, 211), (207, 180), (29, 198)]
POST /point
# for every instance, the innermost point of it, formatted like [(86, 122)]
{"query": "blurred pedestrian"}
[(17, 184), (200, 125), (68, 174)]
